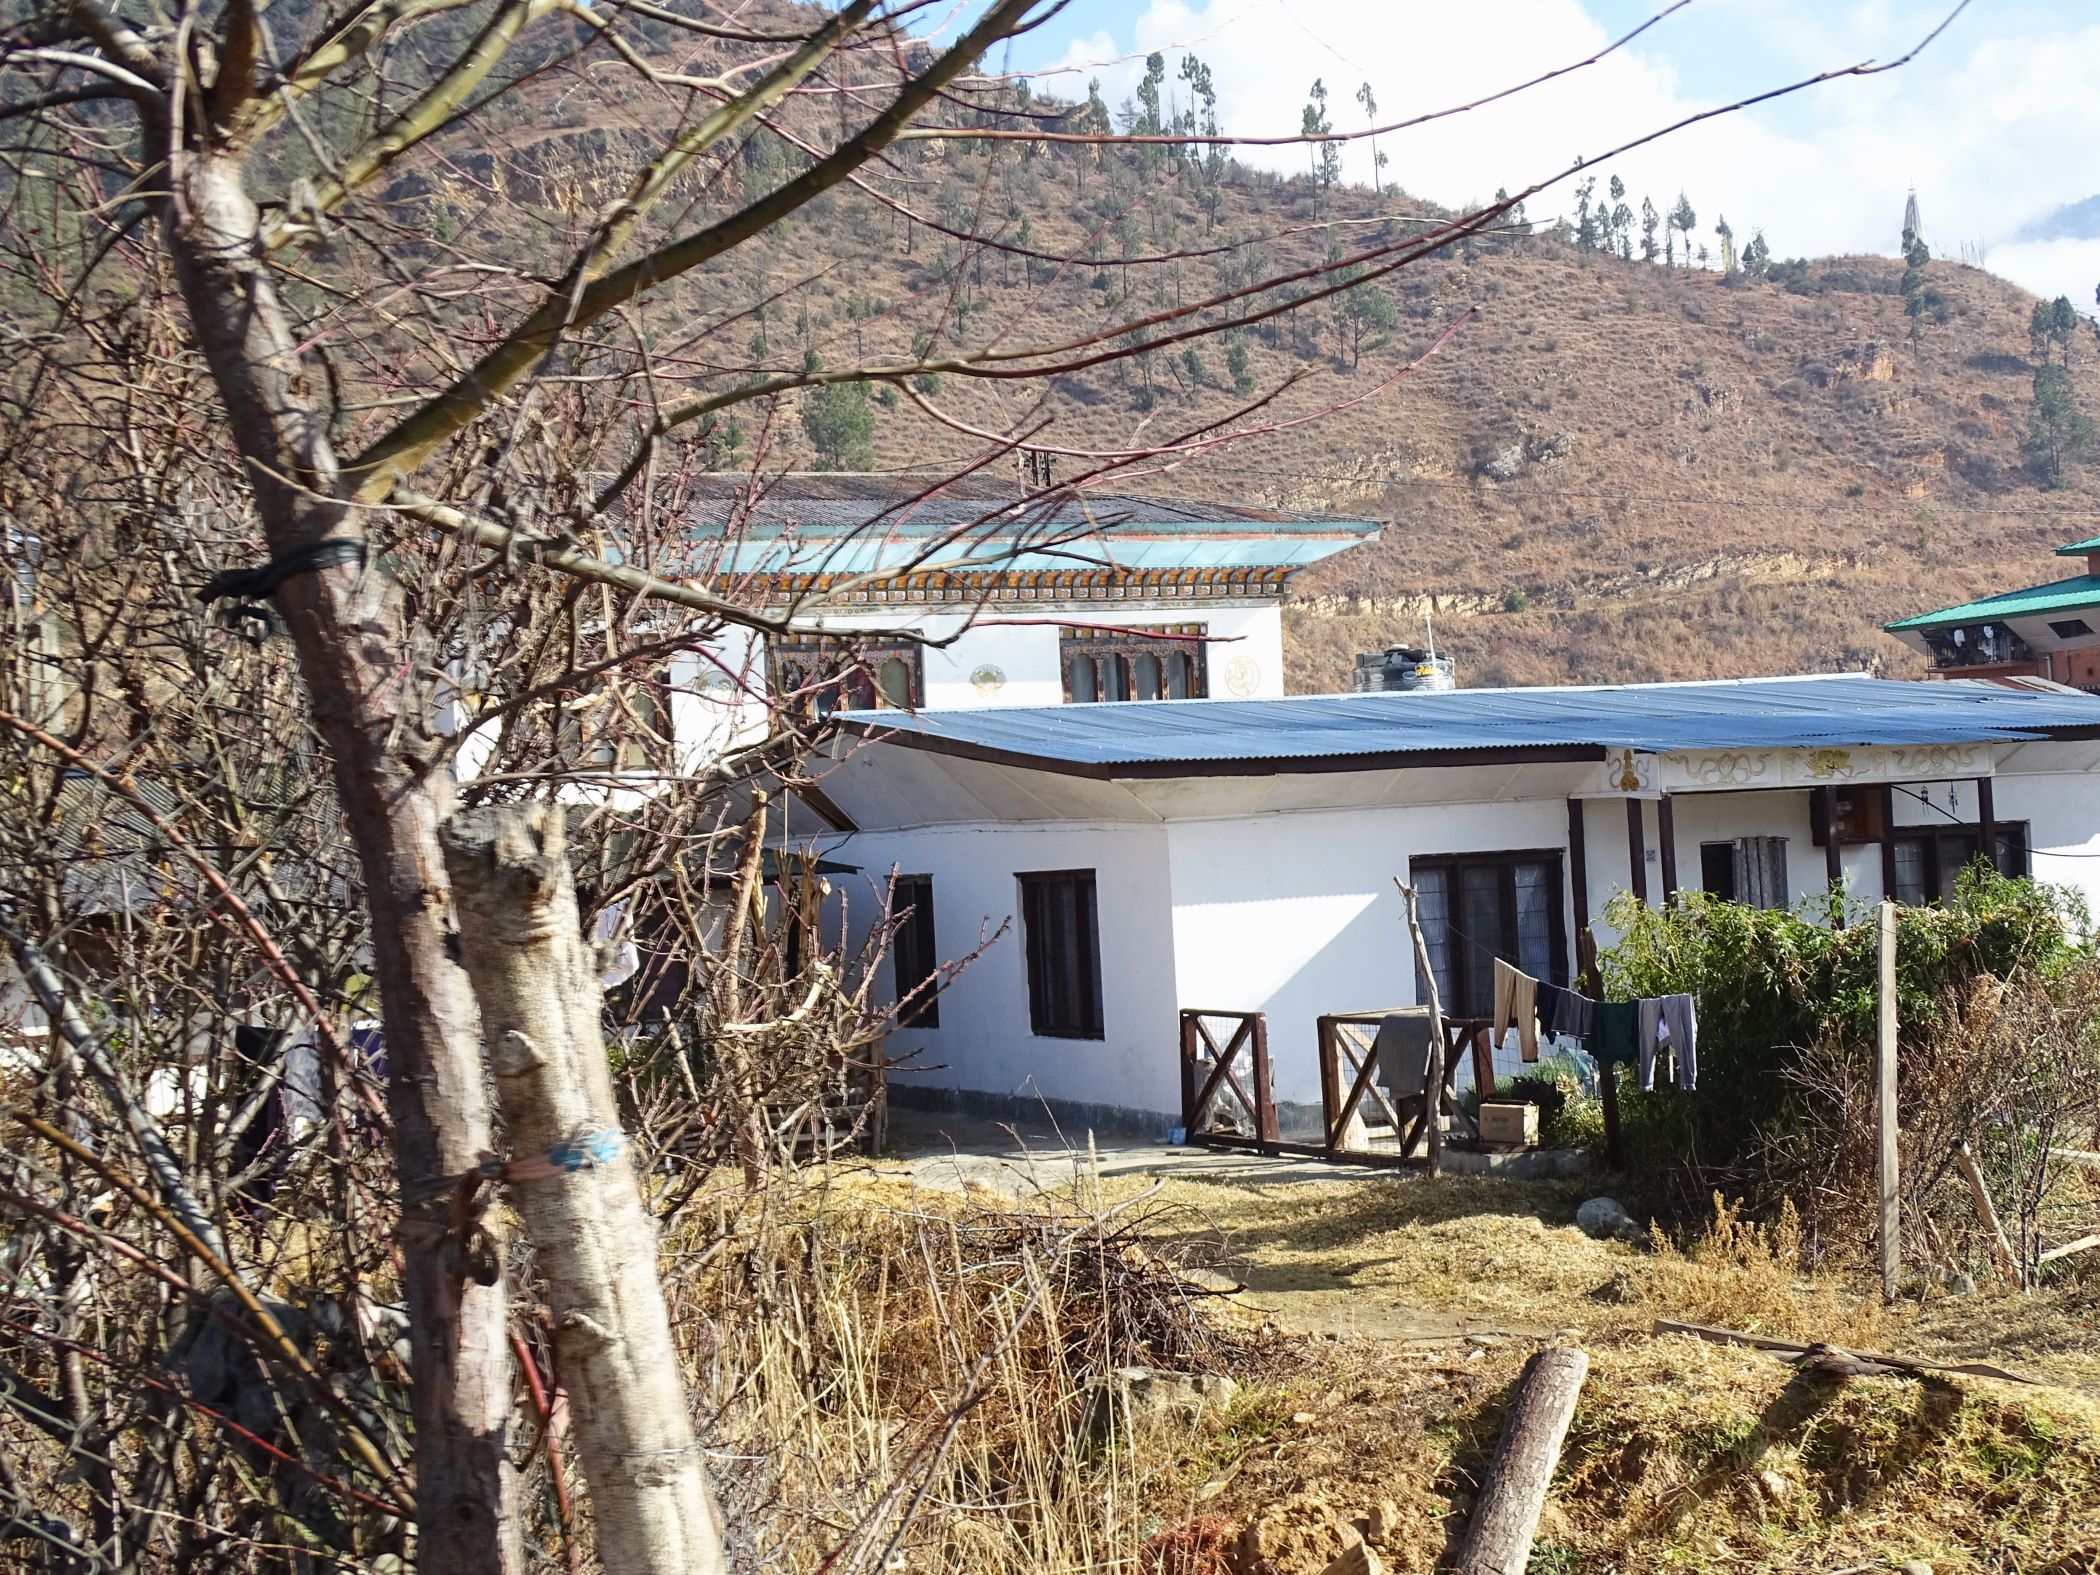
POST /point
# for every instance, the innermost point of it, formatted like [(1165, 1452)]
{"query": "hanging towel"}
[(1402, 1048), (1516, 1001), (1615, 1033)]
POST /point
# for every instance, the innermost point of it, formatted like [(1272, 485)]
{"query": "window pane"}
[(893, 679), (915, 954), (1147, 677), (1717, 870), (2012, 849), (1062, 947), (1082, 679), (1911, 874), (1537, 896), (1178, 677), (1481, 936), (1433, 889), (1115, 678)]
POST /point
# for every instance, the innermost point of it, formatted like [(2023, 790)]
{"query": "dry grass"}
[(852, 1319)]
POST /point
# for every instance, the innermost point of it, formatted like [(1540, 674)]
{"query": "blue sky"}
[(1995, 124)]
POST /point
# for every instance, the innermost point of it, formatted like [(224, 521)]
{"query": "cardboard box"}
[(1515, 1125)]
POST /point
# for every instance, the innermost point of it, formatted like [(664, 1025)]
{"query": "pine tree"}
[(1920, 300), (1727, 236), (1585, 218), (1370, 104), (1650, 222), (2058, 431), (840, 426), (1326, 157), (1683, 219), (1757, 256)]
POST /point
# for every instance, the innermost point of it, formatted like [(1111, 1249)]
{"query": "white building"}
[(1135, 860), (1013, 601)]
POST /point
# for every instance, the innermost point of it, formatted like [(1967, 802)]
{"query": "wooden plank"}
[(1796, 1351), (1330, 1084), (1506, 1518), (2001, 1248), (1188, 1072), (1636, 851), (1666, 834), (1833, 852), (1579, 874), (1987, 819), (1265, 1126), (2082, 1244), (1887, 1160), (1888, 841)]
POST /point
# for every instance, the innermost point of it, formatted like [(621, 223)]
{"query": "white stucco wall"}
[(1297, 915), (984, 1041), (1219, 893)]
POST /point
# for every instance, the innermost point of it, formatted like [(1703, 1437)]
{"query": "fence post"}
[(1188, 1075), (1886, 1159), (1433, 1092), (1265, 1125)]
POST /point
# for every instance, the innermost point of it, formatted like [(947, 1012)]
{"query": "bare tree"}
[(465, 429)]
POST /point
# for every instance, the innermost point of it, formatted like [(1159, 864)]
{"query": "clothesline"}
[(1637, 1033)]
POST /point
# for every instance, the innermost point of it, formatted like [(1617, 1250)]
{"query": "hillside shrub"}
[(1778, 988)]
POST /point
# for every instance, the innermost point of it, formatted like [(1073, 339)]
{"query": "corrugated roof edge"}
[(1927, 712), (2077, 591), (2079, 549)]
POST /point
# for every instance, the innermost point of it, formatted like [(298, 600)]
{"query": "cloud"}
[(2051, 268), (1986, 124)]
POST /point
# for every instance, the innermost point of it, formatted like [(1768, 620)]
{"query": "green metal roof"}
[(2081, 590), (2078, 549)]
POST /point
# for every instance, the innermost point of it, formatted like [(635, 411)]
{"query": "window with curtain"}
[(1148, 663), (914, 954), (1478, 907), (1930, 859), (1062, 938), (1749, 870)]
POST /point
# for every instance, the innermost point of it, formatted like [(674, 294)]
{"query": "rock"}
[(1621, 1289), (1139, 1396), (1961, 1284), (1383, 1523), (1358, 1560), (1606, 1220), (1503, 462), (1773, 1486), (1915, 1567)]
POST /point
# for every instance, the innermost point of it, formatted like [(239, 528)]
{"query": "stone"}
[(1773, 1486), (1140, 1396), (1606, 1219), (1501, 463), (1916, 1567), (1383, 1523), (1357, 1560)]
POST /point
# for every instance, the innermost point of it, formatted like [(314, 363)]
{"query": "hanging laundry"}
[(1615, 1036), (1516, 1001), (1402, 1049), (1563, 1012), (1669, 1022)]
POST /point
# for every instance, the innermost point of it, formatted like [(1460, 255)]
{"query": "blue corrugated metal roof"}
[(1117, 550), (1762, 713)]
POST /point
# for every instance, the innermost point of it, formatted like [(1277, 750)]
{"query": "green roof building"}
[(2045, 631)]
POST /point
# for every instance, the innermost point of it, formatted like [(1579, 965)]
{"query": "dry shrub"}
[(1207, 1545), (1744, 1274), (902, 1375), (2013, 1069)]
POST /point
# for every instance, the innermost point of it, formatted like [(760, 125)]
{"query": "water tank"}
[(1402, 667)]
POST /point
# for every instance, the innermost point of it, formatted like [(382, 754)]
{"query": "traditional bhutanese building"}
[(2044, 631)]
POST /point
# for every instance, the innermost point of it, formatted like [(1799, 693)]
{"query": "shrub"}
[(1778, 990)]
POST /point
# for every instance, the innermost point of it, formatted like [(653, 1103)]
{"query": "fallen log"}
[(1823, 1357), (1506, 1518)]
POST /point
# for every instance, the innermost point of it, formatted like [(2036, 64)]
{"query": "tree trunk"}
[(575, 1188), (1506, 1518), (351, 633)]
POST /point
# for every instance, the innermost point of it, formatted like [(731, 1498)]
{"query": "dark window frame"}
[(1061, 947), (1113, 659), (1507, 861), (2070, 628), (1941, 869), (820, 674), (914, 951)]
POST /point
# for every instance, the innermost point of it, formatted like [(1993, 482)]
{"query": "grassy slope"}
[(1753, 480)]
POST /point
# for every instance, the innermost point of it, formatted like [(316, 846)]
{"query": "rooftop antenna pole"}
[(1429, 630)]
